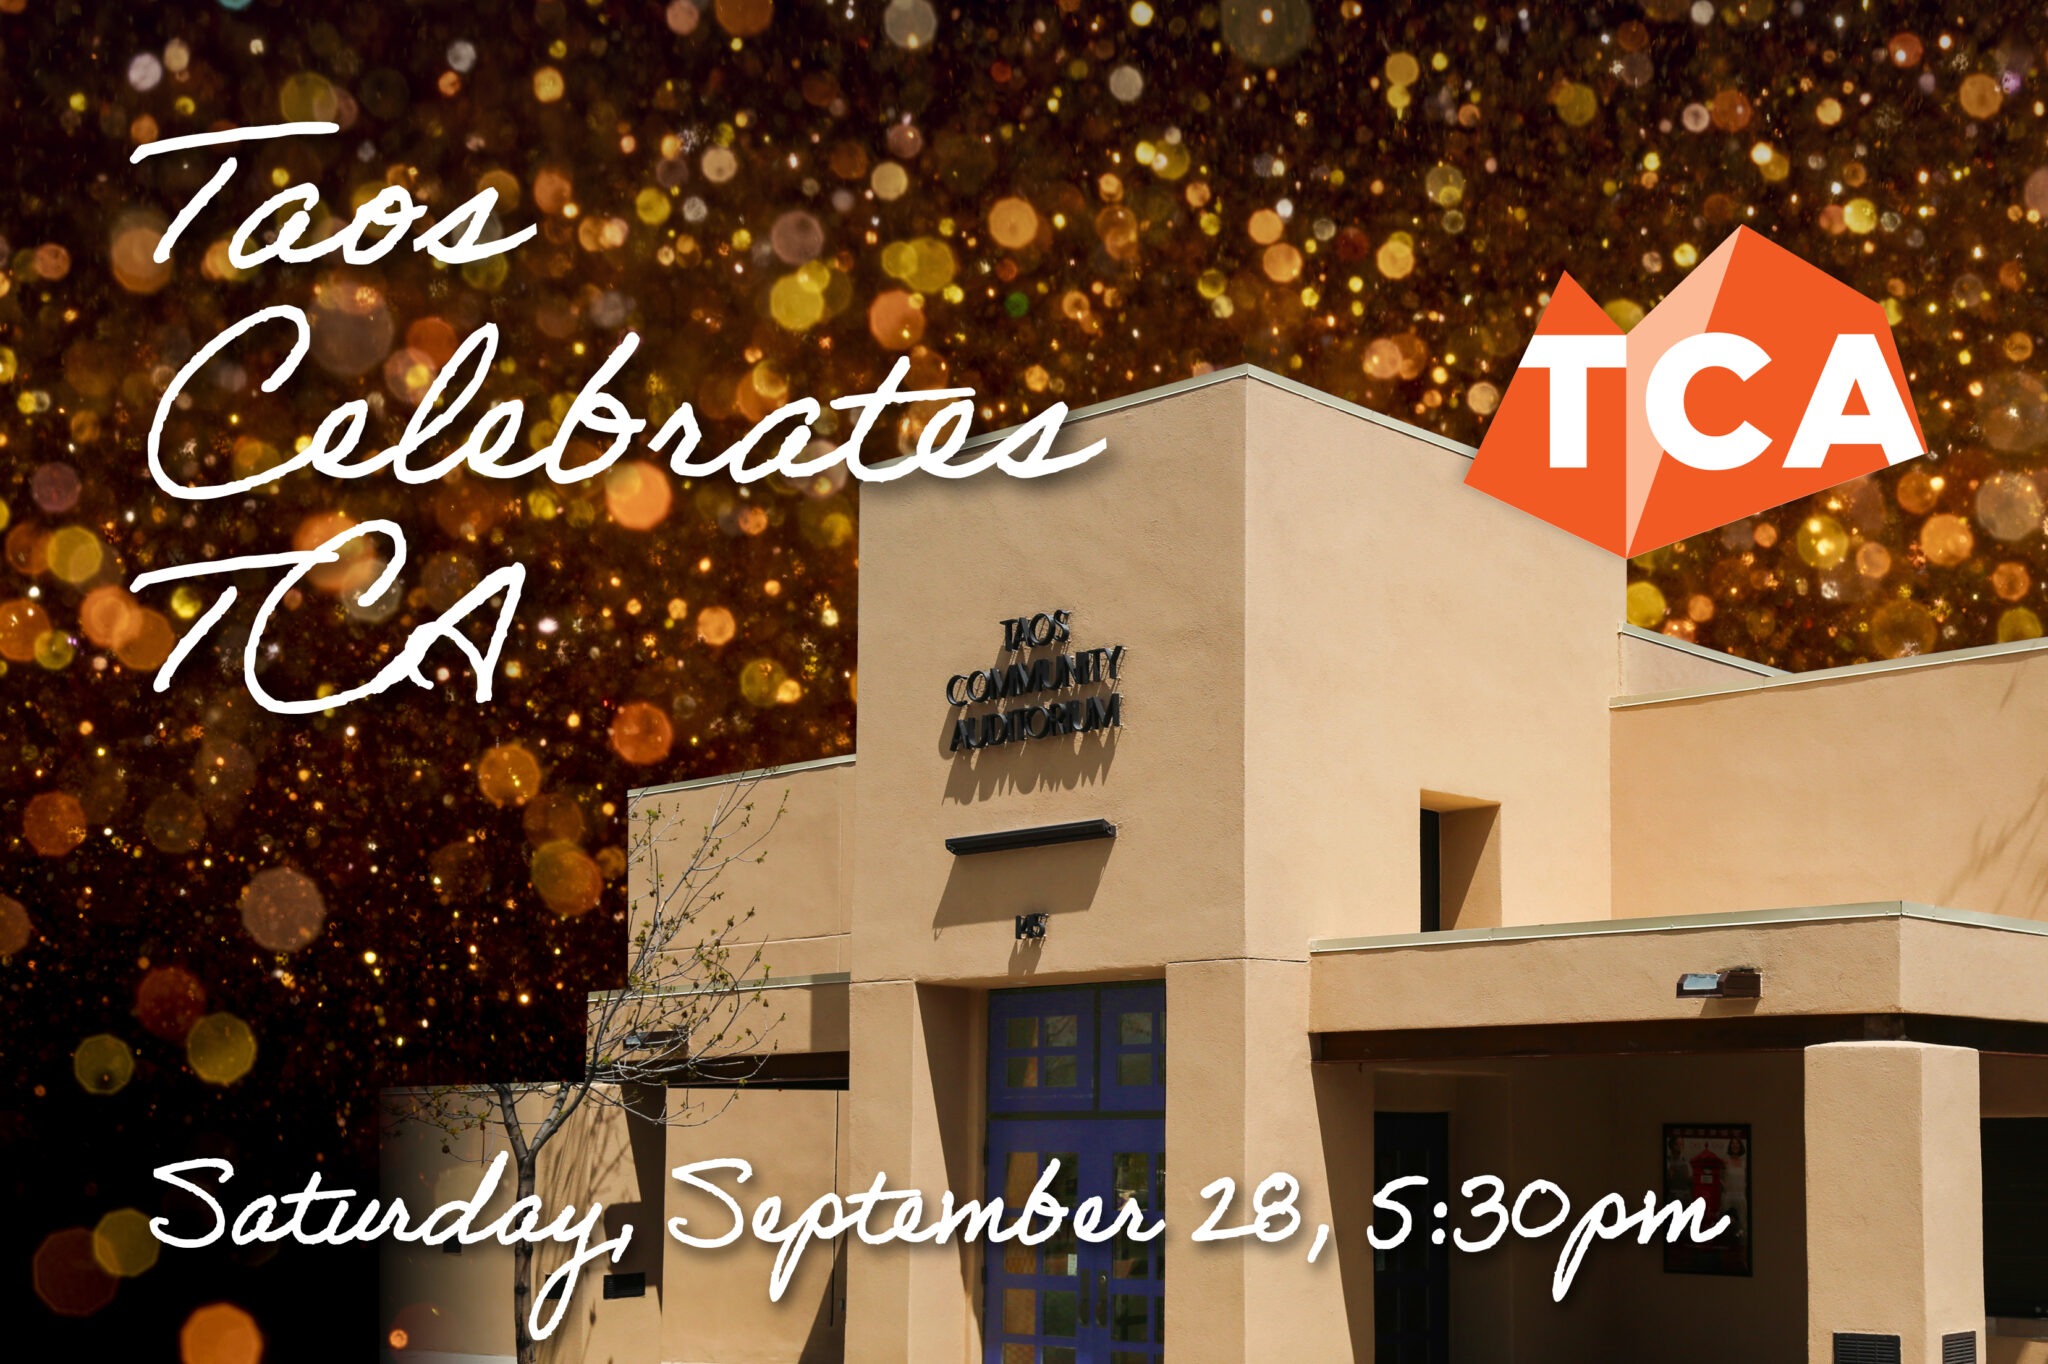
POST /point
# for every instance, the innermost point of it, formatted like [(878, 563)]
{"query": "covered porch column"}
[(915, 1116), (1894, 1201), (1241, 1101)]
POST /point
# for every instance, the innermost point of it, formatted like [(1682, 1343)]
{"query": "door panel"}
[(2015, 1217), (1131, 1075), (1034, 1299), (1041, 1053), (1077, 1076), (1411, 1282)]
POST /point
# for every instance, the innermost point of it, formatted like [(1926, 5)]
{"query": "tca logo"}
[(1759, 379)]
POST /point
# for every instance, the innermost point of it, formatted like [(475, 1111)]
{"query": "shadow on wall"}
[(1064, 763), (826, 1341), (603, 1155), (1344, 1115), (460, 1305), (987, 887), (954, 1022), (2000, 864), (641, 1162)]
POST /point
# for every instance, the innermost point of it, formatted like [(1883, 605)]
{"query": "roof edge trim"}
[(1850, 670), (1748, 665), (1252, 372), (744, 988), (1678, 923), (697, 783)]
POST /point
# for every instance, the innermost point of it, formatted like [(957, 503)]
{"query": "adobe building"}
[(1366, 845)]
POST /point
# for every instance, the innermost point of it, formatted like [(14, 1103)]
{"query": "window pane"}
[(1022, 1072), (1127, 1319), (1019, 1174), (1020, 1259), (1019, 1354), (1057, 1354), (1134, 1068), (1127, 1173), (1135, 1030), (1020, 1311), (1061, 1250), (1023, 1032), (1128, 1258), (1062, 1072), (1062, 1030), (1060, 1311)]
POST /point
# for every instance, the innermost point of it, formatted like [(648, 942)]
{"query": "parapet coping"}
[(1684, 923), (743, 988), (1686, 646), (1253, 372), (728, 778), (1847, 671)]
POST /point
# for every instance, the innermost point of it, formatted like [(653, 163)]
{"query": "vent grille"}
[(1856, 1348), (634, 1285), (1959, 1347)]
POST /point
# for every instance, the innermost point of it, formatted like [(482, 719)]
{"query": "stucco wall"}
[(1595, 1126), (787, 864), (799, 891), (1145, 546), (461, 1304), (1926, 783), (1653, 663), (719, 1308), (1407, 634)]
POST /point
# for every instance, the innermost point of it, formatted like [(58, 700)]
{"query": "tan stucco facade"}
[(1323, 634)]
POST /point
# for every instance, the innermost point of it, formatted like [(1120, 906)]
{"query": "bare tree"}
[(691, 1012)]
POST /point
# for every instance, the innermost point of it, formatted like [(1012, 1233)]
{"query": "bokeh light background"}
[(222, 930)]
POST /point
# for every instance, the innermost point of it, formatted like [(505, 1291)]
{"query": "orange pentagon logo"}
[(1758, 380)]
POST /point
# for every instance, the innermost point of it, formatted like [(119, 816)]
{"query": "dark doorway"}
[(2016, 1217), (1432, 872), (1411, 1283)]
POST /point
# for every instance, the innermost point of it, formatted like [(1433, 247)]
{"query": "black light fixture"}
[(1031, 927), (1039, 836), (1737, 982)]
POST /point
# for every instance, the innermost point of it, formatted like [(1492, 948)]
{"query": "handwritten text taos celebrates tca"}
[(337, 449)]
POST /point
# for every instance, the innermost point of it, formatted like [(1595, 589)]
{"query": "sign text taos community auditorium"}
[(1036, 677)]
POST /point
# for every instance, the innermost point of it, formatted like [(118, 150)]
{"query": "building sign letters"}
[(1046, 675)]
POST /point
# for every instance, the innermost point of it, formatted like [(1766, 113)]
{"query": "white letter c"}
[(1664, 401)]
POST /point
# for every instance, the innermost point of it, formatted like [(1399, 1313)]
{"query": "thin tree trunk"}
[(525, 1349)]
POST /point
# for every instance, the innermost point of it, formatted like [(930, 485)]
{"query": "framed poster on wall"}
[(1711, 1162)]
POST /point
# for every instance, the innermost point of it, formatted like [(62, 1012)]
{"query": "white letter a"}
[(1856, 363)]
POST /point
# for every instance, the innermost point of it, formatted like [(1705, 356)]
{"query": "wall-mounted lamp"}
[(1030, 927), (1040, 836), (1737, 982)]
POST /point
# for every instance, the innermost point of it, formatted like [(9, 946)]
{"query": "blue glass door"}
[(1078, 1076)]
